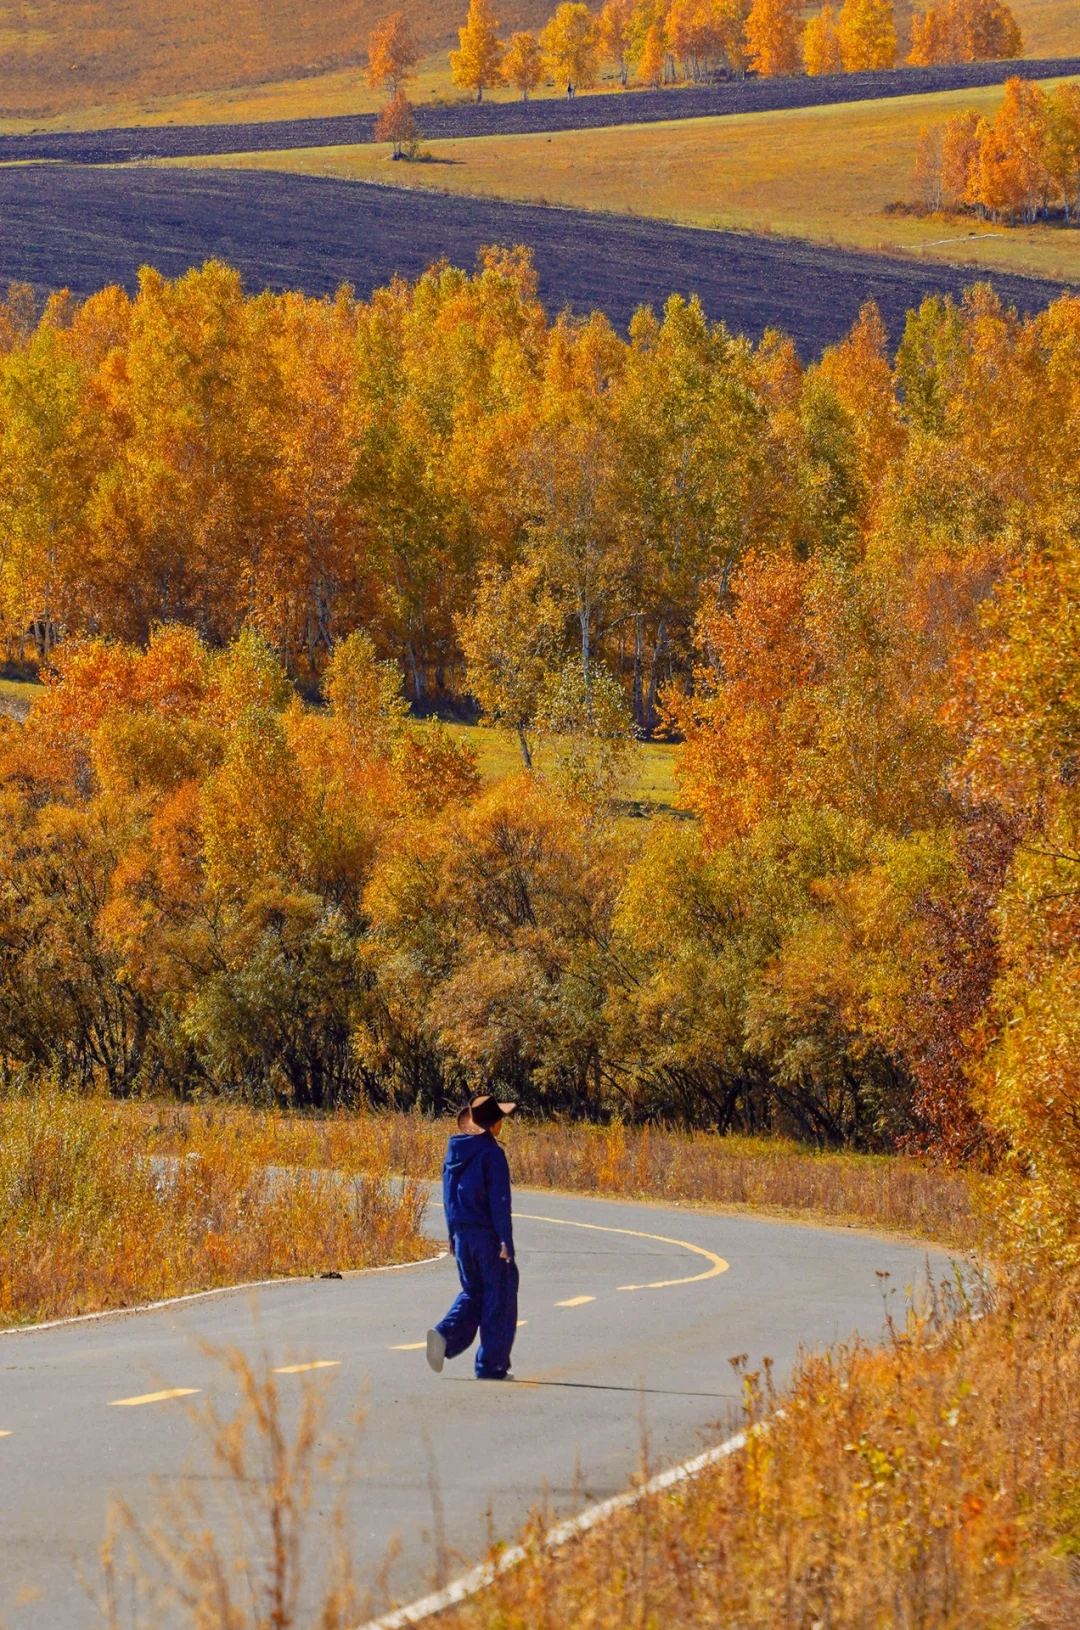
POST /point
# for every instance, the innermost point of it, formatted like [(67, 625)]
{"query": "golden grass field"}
[(75, 64), (744, 172), (654, 785)]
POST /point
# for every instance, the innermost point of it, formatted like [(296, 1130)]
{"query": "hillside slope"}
[(61, 55), (60, 58)]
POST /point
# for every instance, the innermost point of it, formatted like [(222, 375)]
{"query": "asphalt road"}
[(503, 118), (630, 1315), (66, 226)]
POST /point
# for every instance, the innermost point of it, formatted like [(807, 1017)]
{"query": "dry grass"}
[(108, 1205), (747, 172), (90, 1220), (696, 1168), (930, 1484), (654, 787)]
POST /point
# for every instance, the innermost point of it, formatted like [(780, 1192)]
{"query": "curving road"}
[(630, 1314)]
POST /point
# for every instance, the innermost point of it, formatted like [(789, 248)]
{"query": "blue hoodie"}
[(476, 1186)]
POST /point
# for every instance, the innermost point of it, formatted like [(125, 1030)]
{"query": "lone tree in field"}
[(772, 37), (397, 124), (476, 65), (571, 42), (392, 54), (523, 64)]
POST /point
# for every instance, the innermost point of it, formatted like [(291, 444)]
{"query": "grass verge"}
[(636, 1163), (89, 1220), (106, 1205), (744, 172), (931, 1482)]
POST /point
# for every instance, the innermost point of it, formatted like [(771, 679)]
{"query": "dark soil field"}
[(520, 118), (81, 228)]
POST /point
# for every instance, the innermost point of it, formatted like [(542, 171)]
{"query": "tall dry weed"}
[(251, 1547), (97, 1211), (929, 1484)]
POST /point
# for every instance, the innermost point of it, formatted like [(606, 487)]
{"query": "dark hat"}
[(486, 1110)]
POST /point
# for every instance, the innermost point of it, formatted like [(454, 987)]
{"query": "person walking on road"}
[(476, 1199)]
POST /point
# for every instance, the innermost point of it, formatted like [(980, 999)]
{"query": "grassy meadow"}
[(744, 172)]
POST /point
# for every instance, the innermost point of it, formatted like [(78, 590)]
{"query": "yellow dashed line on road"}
[(718, 1263), (5, 1434), (409, 1347), (154, 1397), (576, 1301), (315, 1364)]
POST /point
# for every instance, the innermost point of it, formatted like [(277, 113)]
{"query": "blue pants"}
[(488, 1303)]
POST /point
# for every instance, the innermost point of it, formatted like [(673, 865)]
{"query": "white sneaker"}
[(436, 1350)]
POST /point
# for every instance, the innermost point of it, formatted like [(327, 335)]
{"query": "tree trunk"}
[(654, 679), (639, 653), (418, 678), (525, 754)]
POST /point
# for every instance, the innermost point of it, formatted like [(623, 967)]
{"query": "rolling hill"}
[(60, 59)]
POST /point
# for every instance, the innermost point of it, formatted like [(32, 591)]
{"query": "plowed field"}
[(82, 228)]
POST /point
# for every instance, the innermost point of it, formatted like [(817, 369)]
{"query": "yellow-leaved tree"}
[(523, 64), (867, 34), (821, 44), (475, 65), (571, 44)]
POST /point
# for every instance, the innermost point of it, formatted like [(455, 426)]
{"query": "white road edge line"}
[(218, 1290), (478, 1579)]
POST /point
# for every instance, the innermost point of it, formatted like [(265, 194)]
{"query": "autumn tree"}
[(392, 53), (866, 33), (772, 37), (821, 44), (650, 64), (511, 639), (614, 23), (960, 155), (397, 124), (475, 66), (571, 44), (523, 64), (1062, 156)]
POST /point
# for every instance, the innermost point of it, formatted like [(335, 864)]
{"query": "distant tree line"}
[(660, 42)]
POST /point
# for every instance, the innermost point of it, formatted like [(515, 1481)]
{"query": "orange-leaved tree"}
[(523, 63), (772, 37), (392, 53)]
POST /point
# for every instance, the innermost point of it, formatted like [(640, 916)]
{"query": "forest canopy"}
[(249, 535)]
